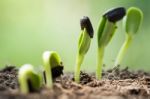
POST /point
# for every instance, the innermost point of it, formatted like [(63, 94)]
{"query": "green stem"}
[(48, 73), (123, 49), (23, 84), (79, 61), (99, 62)]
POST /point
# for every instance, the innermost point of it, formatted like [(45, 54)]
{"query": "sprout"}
[(106, 30), (52, 67), (29, 80), (83, 44), (132, 23)]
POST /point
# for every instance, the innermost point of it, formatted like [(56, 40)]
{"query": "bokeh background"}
[(29, 27)]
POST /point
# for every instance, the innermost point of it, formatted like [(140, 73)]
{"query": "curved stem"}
[(23, 84), (47, 68), (48, 74), (123, 49), (79, 61), (26, 74), (99, 62)]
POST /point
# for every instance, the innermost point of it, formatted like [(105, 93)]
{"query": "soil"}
[(116, 84)]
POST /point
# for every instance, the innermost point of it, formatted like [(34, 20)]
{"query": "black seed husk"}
[(56, 72), (115, 14), (86, 23)]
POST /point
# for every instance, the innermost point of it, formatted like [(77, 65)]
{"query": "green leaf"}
[(100, 29), (107, 34), (53, 58), (80, 39), (84, 42), (133, 20)]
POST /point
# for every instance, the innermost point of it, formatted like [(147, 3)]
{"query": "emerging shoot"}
[(52, 67), (132, 23), (29, 80), (105, 32), (83, 44)]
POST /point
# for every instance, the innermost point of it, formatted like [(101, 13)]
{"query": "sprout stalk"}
[(52, 67), (131, 22), (79, 61), (47, 68), (105, 32), (123, 49), (83, 44), (99, 63)]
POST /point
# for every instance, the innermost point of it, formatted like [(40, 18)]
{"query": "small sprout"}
[(29, 80), (52, 67), (132, 23), (83, 44), (106, 30)]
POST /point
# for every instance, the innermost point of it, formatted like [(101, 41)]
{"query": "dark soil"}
[(116, 84)]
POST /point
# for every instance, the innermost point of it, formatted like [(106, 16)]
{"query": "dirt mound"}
[(116, 84)]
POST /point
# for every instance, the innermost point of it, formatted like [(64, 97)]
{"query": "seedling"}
[(132, 23), (29, 80), (52, 67), (83, 44), (105, 32)]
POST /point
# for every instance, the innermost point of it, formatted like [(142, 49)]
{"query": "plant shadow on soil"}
[(116, 84)]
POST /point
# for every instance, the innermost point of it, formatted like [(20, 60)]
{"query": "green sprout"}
[(28, 79), (105, 32), (132, 23), (52, 67), (83, 44)]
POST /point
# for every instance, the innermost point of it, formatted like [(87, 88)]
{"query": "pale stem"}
[(79, 61), (48, 74), (99, 63), (23, 84), (123, 50)]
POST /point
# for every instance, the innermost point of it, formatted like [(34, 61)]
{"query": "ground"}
[(116, 84)]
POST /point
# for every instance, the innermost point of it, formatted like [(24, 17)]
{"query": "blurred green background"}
[(29, 27)]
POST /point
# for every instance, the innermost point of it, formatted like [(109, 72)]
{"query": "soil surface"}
[(116, 84)]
